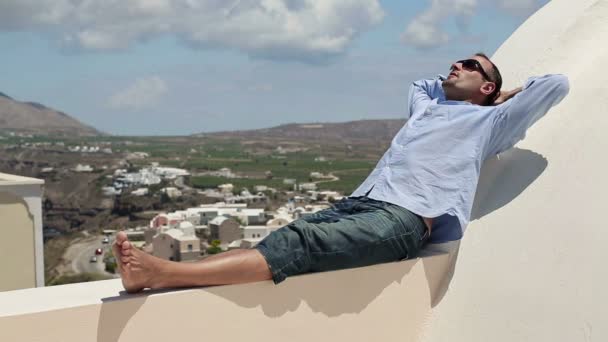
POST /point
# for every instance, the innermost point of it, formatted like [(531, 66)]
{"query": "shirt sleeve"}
[(422, 92), (516, 115)]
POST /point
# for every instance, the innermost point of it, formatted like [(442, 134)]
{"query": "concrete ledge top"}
[(8, 179), (57, 297), (51, 298)]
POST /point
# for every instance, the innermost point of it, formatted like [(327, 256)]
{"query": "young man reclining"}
[(430, 171)]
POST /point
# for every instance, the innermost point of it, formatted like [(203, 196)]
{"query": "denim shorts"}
[(354, 232)]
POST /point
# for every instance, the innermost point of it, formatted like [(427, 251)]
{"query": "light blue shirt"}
[(432, 165)]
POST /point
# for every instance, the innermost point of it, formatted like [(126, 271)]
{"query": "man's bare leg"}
[(140, 270)]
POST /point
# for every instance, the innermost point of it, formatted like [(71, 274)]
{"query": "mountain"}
[(35, 118), (362, 130)]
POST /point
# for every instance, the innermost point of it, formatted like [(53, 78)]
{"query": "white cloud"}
[(426, 30), (143, 93), (299, 29)]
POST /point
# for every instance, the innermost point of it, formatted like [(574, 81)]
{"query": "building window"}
[(189, 248)]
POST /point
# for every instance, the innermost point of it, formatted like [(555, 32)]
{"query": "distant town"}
[(178, 198)]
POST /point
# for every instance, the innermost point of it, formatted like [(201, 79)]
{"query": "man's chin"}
[(447, 84)]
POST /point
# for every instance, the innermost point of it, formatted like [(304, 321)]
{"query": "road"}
[(78, 255), (332, 179)]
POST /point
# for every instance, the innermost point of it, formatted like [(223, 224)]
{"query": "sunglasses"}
[(473, 65)]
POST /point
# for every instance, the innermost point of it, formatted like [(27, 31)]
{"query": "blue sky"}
[(173, 67)]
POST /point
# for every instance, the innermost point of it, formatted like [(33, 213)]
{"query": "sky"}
[(177, 67)]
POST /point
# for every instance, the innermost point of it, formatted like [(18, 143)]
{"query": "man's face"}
[(468, 83)]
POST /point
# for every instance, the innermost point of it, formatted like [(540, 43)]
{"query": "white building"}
[(82, 168), (171, 220), (137, 155), (300, 212), (143, 177), (169, 172), (171, 192), (177, 244), (110, 191), (140, 192), (279, 221), (260, 188), (245, 215), (225, 188), (307, 186), (256, 232), (247, 197)]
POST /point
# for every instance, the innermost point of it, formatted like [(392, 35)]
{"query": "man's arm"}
[(520, 108), (422, 92), (506, 95)]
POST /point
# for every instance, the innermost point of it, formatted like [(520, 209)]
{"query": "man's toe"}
[(126, 246), (121, 237)]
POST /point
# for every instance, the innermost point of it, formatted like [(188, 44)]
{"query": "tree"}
[(239, 220), (110, 262), (215, 247), (164, 198)]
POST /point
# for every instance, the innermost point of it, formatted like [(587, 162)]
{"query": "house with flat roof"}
[(225, 229), (177, 244)]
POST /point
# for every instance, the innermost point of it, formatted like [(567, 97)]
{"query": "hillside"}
[(347, 132), (35, 118)]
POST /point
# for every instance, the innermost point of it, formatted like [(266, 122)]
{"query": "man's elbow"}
[(562, 85)]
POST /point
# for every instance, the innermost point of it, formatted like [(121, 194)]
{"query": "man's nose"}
[(456, 66)]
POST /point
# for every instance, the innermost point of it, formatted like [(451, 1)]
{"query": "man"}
[(425, 180)]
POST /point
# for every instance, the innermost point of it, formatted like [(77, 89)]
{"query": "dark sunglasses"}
[(473, 65)]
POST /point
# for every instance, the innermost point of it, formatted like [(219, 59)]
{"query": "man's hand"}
[(506, 95)]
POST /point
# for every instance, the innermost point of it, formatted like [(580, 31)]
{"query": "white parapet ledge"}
[(8, 179), (382, 302), (36, 300)]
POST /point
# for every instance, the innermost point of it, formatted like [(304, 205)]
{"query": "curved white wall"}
[(532, 267)]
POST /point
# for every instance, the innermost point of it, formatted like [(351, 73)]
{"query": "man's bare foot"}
[(138, 270)]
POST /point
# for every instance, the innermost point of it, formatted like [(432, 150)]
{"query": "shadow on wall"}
[(504, 177), (116, 313), (333, 294)]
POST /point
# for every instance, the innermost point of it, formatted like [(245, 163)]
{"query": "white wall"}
[(532, 266)]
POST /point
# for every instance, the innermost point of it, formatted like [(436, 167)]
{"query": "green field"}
[(249, 161)]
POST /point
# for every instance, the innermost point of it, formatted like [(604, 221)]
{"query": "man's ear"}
[(487, 88)]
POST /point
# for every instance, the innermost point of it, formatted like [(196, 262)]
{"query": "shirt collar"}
[(453, 102)]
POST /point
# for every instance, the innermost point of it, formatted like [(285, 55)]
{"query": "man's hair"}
[(495, 77)]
